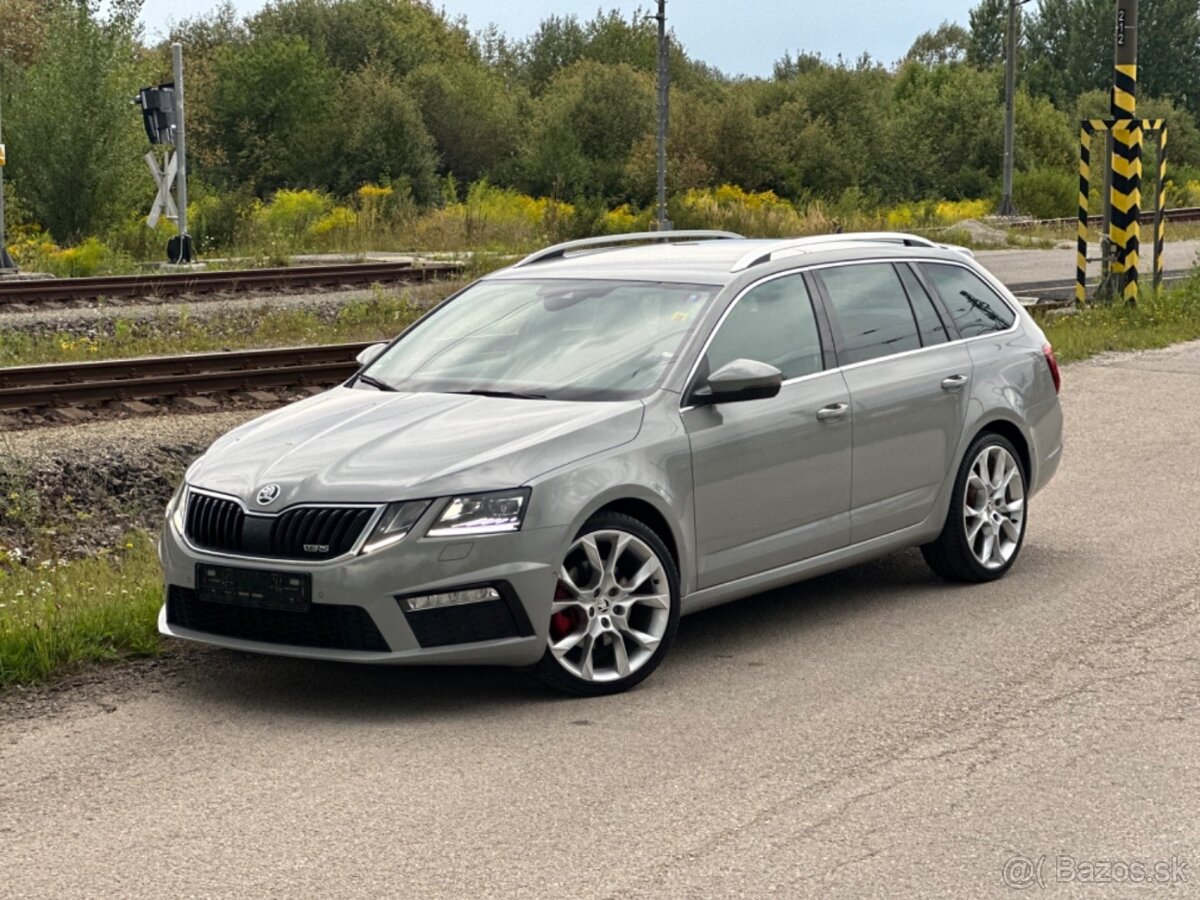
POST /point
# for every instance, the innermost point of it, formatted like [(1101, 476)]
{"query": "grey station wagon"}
[(554, 464)]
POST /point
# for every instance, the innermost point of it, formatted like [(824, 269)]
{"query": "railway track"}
[(33, 292), (36, 388), (1182, 214)]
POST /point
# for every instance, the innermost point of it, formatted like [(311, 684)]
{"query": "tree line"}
[(334, 94)]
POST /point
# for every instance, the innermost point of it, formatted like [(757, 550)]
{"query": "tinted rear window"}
[(933, 330), (872, 311), (976, 308)]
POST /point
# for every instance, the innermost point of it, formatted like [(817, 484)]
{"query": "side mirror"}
[(369, 354), (742, 379)]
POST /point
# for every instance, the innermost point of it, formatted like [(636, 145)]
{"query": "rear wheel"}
[(986, 523), (615, 610)]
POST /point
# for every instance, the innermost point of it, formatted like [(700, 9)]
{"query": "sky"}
[(738, 38)]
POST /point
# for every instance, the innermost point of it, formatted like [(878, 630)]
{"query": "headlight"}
[(482, 514), (177, 508), (397, 521)]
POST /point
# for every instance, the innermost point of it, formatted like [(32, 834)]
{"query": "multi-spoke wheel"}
[(615, 609), (986, 522)]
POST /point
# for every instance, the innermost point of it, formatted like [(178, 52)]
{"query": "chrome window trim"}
[(982, 273), (368, 529)]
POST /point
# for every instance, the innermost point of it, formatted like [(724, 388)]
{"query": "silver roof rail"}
[(792, 246), (560, 250)]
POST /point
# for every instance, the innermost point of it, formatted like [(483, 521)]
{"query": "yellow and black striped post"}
[(1087, 129), (1124, 230), (1160, 206), (1081, 241)]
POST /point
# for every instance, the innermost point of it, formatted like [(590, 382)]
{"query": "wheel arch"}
[(1011, 431), (652, 511)]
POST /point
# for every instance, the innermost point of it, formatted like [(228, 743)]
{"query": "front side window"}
[(555, 339), (872, 310), (975, 307), (772, 323)]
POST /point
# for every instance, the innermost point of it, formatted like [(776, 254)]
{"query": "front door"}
[(771, 477)]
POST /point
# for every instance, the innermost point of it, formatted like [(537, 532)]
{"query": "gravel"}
[(69, 490), (101, 317)]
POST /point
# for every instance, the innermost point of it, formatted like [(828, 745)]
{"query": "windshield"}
[(569, 340)]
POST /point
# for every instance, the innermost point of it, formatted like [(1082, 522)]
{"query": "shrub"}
[(1046, 193), (728, 207)]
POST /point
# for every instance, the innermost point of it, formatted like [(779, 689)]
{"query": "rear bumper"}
[(356, 616), (1046, 433)]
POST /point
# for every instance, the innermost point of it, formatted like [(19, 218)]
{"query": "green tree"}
[(401, 35), (948, 43), (473, 117), (989, 25), (584, 129), (272, 113), (380, 137), (1070, 48), (75, 144)]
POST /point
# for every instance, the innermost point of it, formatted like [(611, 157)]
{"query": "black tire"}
[(552, 673), (950, 555)]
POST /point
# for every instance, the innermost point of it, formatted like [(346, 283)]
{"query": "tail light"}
[(1048, 352)]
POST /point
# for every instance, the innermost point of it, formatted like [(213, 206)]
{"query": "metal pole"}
[(185, 253), (664, 224), (6, 263), (1007, 207)]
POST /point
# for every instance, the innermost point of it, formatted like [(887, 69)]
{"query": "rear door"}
[(771, 477), (909, 385)]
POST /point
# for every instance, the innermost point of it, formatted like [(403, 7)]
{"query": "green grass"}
[(1157, 321), (57, 615)]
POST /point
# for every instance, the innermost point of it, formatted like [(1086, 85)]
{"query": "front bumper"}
[(524, 562)]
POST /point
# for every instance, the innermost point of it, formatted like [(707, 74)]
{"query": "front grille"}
[(325, 626), (215, 523), (317, 532), (304, 532)]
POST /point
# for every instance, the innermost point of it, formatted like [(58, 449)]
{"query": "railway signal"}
[(163, 118)]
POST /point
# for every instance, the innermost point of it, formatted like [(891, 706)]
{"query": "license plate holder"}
[(254, 588)]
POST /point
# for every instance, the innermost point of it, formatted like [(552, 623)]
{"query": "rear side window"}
[(772, 323), (872, 311), (933, 330), (976, 308)]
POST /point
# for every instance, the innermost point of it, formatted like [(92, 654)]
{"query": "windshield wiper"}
[(512, 395), (375, 383)]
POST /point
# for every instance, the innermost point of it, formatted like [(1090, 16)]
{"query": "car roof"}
[(716, 261)]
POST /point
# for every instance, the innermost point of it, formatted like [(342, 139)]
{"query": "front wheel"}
[(986, 523), (615, 609)]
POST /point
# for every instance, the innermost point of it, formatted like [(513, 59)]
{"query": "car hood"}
[(351, 445)]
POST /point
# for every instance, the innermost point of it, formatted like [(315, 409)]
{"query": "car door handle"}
[(954, 382), (829, 413)]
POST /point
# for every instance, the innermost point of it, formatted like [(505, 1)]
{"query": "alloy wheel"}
[(612, 606), (994, 507)]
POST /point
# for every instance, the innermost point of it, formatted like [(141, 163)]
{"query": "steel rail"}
[(167, 284), (34, 387), (1182, 214)]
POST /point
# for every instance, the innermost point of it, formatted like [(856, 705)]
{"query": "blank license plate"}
[(254, 588)]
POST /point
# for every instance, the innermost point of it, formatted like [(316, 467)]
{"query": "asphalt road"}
[(869, 734), (1018, 267)]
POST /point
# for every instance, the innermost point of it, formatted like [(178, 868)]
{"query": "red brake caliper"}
[(564, 621)]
